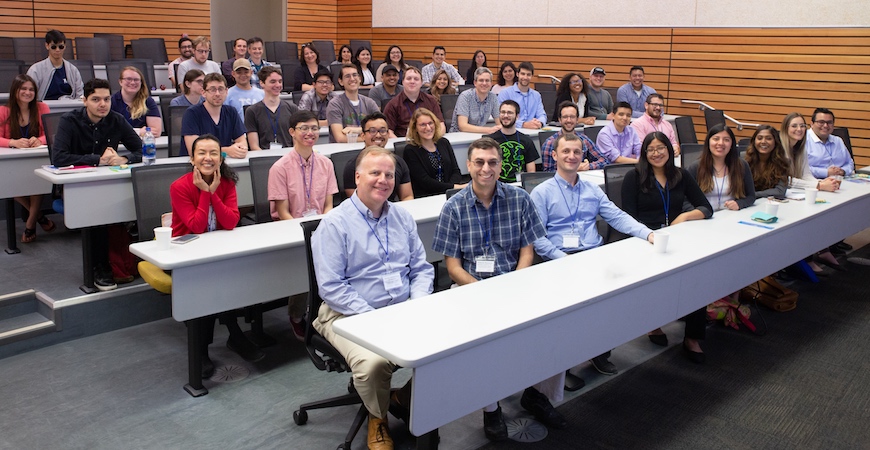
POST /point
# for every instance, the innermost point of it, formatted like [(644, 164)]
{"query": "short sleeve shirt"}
[(120, 107), (304, 184), (270, 126), (341, 111), (197, 121), (517, 150)]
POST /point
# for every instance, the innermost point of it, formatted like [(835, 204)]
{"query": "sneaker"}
[(298, 326), (103, 279), (245, 348), (604, 366), (539, 405), (494, 426)]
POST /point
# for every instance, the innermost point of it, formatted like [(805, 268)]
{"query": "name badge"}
[(393, 281), (275, 146), (571, 241), (484, 264), (309, 213)]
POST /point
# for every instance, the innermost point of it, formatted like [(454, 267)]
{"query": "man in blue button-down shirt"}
[(368, 255), (532, 114), (827, 154)]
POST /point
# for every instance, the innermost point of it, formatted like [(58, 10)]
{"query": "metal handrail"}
[(552, 78), (702, 106)]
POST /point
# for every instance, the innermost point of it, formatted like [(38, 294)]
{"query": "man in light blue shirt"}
[(635, 92), (532, 113), (827, 154), (368, 255), (243, 93)]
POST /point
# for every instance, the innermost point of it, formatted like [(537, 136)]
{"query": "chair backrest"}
[(399, 149), (612, 92), (713, 118), (151, 194), (165, 100), (288, 73), (548, 99), (95, 49), (530, 180), (592, 133), (541, 87), (7, 51), (451, 192), (86, 69), (339, 160), (114, 68), (686, 130), (31, 50), (326, 50), (689, 153), (8, 71), (464, 87), (415, 62), (153, 49), (843, 133), (282, 51), (462, 66), (544, 135), (364, 91), (336, 73), (117, 51), (357, 43), (448, 104), (176, 113), (51, 121), (259, 168), (614, 174), (297, 97)]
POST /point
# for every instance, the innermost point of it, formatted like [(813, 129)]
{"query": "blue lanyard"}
[(575, 214), (667, 202), (273, 120), (488, 230), (411, 111), (386, 231), (719, 188), (323, 104), (356, 113), (307, 186)]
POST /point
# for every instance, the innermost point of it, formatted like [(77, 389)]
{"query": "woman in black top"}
[(431, 161), (310, 59), (654, 193), (573, 88), (478, 60)]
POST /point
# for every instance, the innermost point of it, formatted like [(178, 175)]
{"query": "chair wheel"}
[(342, 447), (300, 417)]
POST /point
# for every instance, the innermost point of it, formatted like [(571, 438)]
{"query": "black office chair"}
[(153, 49), (450, 193), (364, 91), (229, 46), (399, 149), (464, 87), (288, 72), (614, 174), (259, 168), (530, 180), (541, 87), (165, 100), (335, 69), (7, 51), (339, 160), (690, 153), (686, 130), (296, 96), (544, 135), (592, 133), (85, 67), (843, 133), (8, 71), (326, 50), (548, 99), (462, 66), (282, 51), (31, 50), (95, 49), (612, 91), (50, 122), (176, 114), (448, 104), (714, 117), (357, 43), (114, 68), (324, 356), (415, 62), (117, 50)]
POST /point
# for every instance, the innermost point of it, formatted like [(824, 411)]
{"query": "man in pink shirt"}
[(653, 120), (301, 184)]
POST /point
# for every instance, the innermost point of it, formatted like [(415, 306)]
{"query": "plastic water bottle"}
[(149, 150)]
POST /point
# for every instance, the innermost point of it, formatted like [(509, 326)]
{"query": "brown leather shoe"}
[(379, 434)]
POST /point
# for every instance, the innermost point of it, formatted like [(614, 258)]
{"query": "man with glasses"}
[(389, 88), (202, 47), (485, 230), (243, 93), (185, 49), (533, 114), (568, 117), (345, 113), (268, 122), (375, 134), (438, 55), (653, 120), (317, 100), (213, 117), (56, 78), (400, 109), (635, 93), (240, 51), (476, 107), (827, 154), (518, 152)]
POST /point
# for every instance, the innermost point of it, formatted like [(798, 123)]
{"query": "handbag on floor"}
[(732, 314), (771, 294)]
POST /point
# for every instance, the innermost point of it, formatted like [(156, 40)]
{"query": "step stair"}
[(26, 314)]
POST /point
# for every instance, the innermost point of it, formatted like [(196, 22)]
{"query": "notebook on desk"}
[(68, 169)]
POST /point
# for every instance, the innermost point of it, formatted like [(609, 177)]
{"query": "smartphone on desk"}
[(185, 239)]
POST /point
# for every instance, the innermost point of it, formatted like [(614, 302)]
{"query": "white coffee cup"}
[(771, 208), (811, 194), (163, 236), (660, 241), (351, 138)]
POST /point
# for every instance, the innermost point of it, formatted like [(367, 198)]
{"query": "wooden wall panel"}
[(16, 18), (354, 21), (311, 20)]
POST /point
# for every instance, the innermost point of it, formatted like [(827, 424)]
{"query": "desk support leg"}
[(194, 385), (428, 441), (11, 234), (88, 261)]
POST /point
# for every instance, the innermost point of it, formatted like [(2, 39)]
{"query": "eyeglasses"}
[(798, 125), (323, 82), (188, 46), (349, 76), (307, 128), (659, 149), (201, 51), (131, 80), (569, 117), (479, 163), (216, 90), (824, 123), (507, 113), (198, 80), (657, 105), (426, 124), (374, 131), (576, 82)]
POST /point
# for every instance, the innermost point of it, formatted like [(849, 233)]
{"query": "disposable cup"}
[(811, 193), (163, 235), (660, 239)]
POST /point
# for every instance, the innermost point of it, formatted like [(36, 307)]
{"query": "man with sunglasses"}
[(375, 134), (653, 120), (56, 78)]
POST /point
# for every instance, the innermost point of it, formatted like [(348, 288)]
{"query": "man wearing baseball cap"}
[(243, 94), (389, 88), (599, 100)]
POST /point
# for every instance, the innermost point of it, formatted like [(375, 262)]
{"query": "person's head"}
[(794, 126), (423, 127), (215, 87), (568, 154), (376, 131), (363, 57), (201, 49), (482, 80), (636, 76), (23, 93), (656, 154), (764, 141), (621, 115), (438, 54), (255, 48), (572, 84), (478, 60), (350, 77), (507, 74), (507, 113), (484, 164), (55, 43), (304, 128), (720, 147), (98, 99), (240, 48), (823, 123), (185, 47), (375, 176), (309, 54), (206, 157), (271, 80), (527, 70), (390, 76), (720, 143), (323, 83), (766, 158), (395, 56), (345, 54), (242, 72), (596, 77), (193, 82), (440, 81), (132, 81), (655, 105), (569, 113), (412, 81)]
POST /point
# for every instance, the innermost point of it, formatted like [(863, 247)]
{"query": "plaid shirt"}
[(515, 224), (590, 152)]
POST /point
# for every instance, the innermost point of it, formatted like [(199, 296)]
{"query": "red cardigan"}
[(190, 206), (6, 133)]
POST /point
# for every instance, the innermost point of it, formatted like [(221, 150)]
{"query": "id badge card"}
[(571, 241), (309, 213), (392, 281), (275, 146), (484, 264)]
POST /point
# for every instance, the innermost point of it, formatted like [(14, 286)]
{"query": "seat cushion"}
[(156, 277)]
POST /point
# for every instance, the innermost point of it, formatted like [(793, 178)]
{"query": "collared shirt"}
[(197, 121), (310, 101), (478, 112), (304, 184), (530, 103), (626, 93), (79, 141), (351, 263), (590, 152), (517, 150), (239, 98), (379, 93), (565, 209), (255, 69), (270, 126), (429, 71), (152, 110), (821, 155), (400, 109), (511, 223), (645, 125), (614, 144)]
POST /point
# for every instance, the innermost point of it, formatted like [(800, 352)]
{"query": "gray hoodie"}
[(43, 71)]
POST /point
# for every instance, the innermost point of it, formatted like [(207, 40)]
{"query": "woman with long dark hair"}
[(477, 61), (724, 178), (363, 60), (396, 58), (507, 76), (573, 89), (767, 162)]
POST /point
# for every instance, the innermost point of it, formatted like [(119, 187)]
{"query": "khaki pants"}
[(371, 373)]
